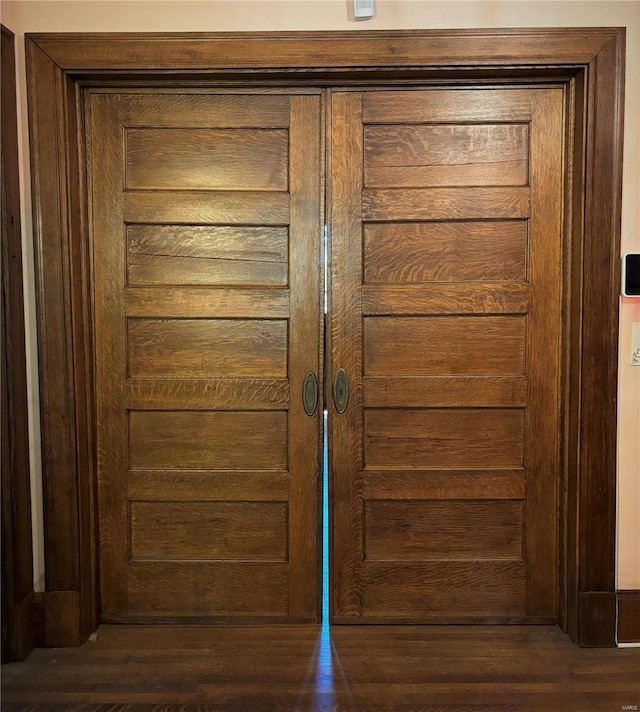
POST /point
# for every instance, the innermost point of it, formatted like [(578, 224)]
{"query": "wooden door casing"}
[(587, 62), (446, 315), (206, 224), (16, 590)]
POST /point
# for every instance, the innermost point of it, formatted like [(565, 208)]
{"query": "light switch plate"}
[(363, 9)]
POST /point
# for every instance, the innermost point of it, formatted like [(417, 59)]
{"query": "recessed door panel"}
[(213, 254), (445, 316)]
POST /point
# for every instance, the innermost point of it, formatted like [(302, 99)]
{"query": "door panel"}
[(206, 159), (429, 345), (206, 223), (445, 315), (214, 255), (409, 253), (409, 156)]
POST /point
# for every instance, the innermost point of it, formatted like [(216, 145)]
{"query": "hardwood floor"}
[(390, 668)]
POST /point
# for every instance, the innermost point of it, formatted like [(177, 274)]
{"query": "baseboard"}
[(597, 619), (38, 619), (57, 619), (19, 631), (628, 616)]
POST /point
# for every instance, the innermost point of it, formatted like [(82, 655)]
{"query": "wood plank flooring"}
[(372, 668)]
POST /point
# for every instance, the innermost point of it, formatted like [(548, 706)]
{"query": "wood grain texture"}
[(207, 348), (432, 483), (207, 589), (574, 53), (336, 50), (392, 107), (218, 462), (576, 111), (482, 173), (345, 443), (195, 302), (473, 251), (603, 180), (394, 204), (83, 372), (54, 296), (402, 156), (628, 630), (399, 668), (461, 438), (429, 320), (110, 360), (60, 619), (597, 612), (543, 360), (233, 531), (215, 254), (208, 486), (206, 159), (226, 207), (443, 529), (17, 552), (305, 344), (207, 394), (444, 391), (464, 345), (187, 109), (217, 440), (444, 589), (445, 299)]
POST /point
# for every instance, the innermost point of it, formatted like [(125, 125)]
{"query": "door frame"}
[(589, 62), (16, 589)]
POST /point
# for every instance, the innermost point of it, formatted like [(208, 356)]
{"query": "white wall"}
[(247, 15)]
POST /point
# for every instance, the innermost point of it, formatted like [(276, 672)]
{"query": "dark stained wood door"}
[(205, 233), (445, 315)]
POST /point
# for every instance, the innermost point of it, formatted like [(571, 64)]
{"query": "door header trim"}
[(324, 50)]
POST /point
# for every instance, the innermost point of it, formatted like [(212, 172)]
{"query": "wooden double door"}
[(441, 359)]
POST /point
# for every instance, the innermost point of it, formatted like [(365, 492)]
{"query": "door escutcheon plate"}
[(310, 393), (341, 391)]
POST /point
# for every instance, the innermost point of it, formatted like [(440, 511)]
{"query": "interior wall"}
[(271, 15)]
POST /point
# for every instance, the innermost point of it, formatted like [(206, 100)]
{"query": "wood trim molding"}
[(17, 550), (52, 240), (65, 390), (323, 50), (629, 616), (56, 619), (597, 619), (590, 64), (598, 406)]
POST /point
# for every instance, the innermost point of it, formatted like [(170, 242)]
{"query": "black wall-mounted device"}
[(631, 274)]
